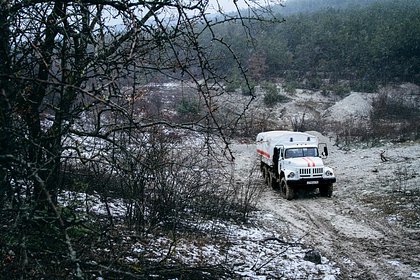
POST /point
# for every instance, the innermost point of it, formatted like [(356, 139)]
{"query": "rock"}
[(347, 212), (313, 256)]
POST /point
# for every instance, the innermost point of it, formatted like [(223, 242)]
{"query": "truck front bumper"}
[(311, 183)]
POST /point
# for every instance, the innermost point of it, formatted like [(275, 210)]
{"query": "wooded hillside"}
[(373, 43)]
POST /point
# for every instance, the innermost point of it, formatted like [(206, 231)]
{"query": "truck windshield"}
[(301, 152)]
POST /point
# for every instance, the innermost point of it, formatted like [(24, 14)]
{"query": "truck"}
[(290, 161)]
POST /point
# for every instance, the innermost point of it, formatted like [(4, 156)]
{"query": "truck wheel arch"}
[(282, 175)]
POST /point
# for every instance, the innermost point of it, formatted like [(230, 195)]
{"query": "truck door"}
[(323, 150), (277, 156)]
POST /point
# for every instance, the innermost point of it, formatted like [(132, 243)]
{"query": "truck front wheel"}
[(287, 191), (326, 190)]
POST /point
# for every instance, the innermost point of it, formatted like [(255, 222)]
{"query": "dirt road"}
[(363, 246), (370, 227)]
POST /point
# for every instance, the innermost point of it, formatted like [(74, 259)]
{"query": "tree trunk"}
[(6, 145)]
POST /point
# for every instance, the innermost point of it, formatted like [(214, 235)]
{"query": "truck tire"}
[(262, 169), (272, 182), (326, 190), (287, 191), (283, 188), (265, 174)]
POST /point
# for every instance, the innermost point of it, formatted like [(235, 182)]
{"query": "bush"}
[(248, 89), (188, 107), (395, 116), (394, 107), (233, 85), (272, 95), (314, 83), (290, 87), (337, 88), (364, 86)]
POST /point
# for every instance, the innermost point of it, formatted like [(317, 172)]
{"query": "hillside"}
[(369, 44), (310, 6)]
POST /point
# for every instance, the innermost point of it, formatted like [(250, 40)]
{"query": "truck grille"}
[(311, 172)]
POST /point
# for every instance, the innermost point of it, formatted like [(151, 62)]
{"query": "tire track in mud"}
[(363, 249)]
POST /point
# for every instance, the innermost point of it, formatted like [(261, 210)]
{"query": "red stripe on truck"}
[(313, 162), (264, 154), (309, 161)]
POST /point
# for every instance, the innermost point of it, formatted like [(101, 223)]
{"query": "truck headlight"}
[(291, 175), (329, 173)]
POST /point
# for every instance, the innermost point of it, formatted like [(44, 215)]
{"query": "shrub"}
[(272, 95), (232, 85), (364, 86), (290, 86), (395, 116), (188, 107), (314, 83), (248, 89), (339, 89), (394, 107)]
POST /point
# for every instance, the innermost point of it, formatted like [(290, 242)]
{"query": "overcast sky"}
[(229, 5)]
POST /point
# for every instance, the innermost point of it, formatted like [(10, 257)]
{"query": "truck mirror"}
[(325, 151)]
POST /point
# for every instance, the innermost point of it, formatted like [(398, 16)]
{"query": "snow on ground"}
[(253, 251), (84, 202)]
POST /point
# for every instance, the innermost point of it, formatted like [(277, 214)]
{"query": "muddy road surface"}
[(371, 225)]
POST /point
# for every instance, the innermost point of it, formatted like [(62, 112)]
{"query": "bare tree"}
[(298, 122), (70, 75), (257, 65)]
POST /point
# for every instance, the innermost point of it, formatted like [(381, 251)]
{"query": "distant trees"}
[(368, 43)]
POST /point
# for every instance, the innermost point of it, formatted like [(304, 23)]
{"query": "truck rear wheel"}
[(326, 190), (287, 191), (272, 182), (265, 174)]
